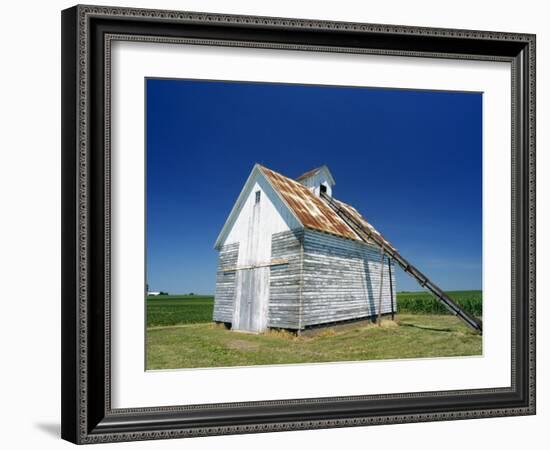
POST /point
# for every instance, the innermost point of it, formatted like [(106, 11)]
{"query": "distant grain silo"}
[(288, 260)]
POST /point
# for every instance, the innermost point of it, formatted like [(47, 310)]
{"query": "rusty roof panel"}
[(309, 209), (313, 212), (358, 217), (309, 173)]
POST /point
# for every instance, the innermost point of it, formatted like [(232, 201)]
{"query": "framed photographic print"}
[(268, 221)]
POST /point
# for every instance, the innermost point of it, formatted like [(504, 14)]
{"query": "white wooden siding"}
[(341, 280), (286, 280), (325, 279), (273, 217), (224, 299), (252, 229)]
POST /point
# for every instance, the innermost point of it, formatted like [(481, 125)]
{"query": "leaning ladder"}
[(368, 236)]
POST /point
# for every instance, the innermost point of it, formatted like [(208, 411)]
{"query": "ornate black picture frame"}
[(87, 33)]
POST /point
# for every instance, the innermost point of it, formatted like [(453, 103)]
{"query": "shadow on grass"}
[(421, 327)]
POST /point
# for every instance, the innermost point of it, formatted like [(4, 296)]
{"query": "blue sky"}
[(410, 161)]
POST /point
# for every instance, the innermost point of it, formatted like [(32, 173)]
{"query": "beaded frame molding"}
[(87, 34)]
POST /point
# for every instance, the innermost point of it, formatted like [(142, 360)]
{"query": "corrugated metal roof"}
[(309, 173), (312, 211), (358, 217)]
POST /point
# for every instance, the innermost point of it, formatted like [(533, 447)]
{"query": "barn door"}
[(252, 281), (251, 299)]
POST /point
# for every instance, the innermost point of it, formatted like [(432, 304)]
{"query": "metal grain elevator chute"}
[(369, 236)]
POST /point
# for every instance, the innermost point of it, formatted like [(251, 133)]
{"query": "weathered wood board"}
[(225, 284), (322, 279), (285, 280), (341, 280)]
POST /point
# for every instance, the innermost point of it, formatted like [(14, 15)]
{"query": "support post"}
[(380, 289), (391, 291)]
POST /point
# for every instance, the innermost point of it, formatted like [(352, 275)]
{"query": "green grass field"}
[(181, 334)]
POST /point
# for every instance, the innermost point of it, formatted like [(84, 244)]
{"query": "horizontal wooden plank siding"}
[(285, 280), (224, 298), (323, 279), (341, 280)]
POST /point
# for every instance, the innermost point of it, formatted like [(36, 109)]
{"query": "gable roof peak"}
[(309, 210)]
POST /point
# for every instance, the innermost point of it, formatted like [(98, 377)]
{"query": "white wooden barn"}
[(287, 260)]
